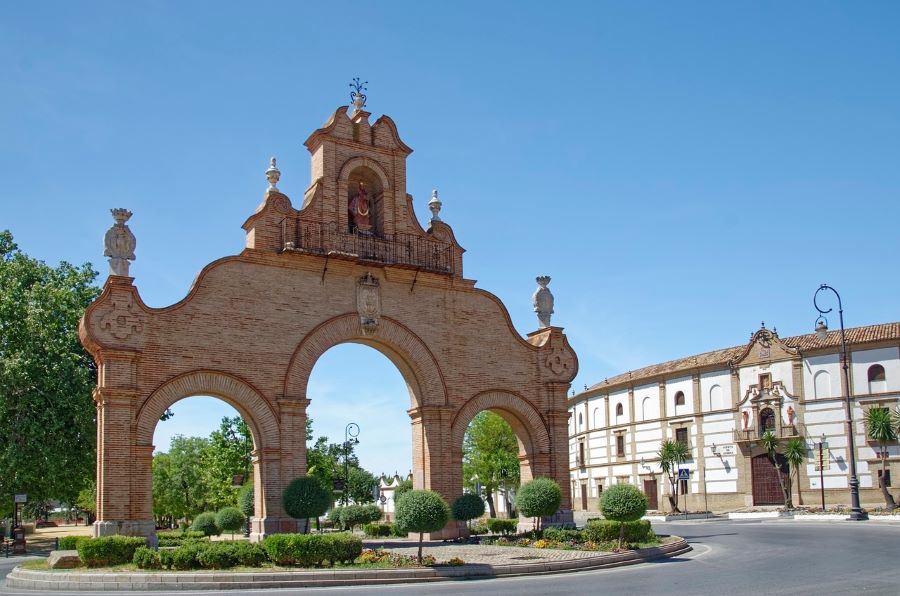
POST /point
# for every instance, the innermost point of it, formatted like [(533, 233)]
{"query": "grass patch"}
[(38, 565)]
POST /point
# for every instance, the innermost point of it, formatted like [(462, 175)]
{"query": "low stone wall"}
[(219, 580)]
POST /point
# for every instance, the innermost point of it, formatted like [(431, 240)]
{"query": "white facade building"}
[(719, 403)]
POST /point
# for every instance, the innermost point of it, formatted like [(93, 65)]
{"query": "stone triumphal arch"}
[(352, 264)]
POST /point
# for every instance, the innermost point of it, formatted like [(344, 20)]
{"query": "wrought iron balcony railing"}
[(411, 250), (755, 434)]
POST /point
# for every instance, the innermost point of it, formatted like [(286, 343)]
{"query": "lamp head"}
[(821, 328)]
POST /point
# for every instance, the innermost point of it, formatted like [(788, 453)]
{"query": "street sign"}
[(383, 499), (20, 499), (684, 474), (726, 449), (825, 462)]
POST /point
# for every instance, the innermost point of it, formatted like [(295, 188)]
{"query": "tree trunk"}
[(799, 487), (888, 498), (490, 500), (420, 548), (621, 534), (787, 498)]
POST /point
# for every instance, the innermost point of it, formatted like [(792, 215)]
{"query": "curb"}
[(98, 581)]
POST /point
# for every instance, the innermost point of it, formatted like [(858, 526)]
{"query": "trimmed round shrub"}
[(217, 555), (206, 523), (539, 498), (109, 550), (185, 556), (422, 511), (564, 535), (623, 503), (146, 558), (468, 506), (246, 500), (306, 497), (230, 519), (355, 515)]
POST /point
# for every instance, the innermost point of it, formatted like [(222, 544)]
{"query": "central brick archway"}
[(253, 326)]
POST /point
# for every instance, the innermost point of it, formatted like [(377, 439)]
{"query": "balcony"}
[(754, 434), (412, 250)]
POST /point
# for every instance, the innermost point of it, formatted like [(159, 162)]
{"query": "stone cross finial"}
[(543, 301), (435, 205), (273, 175), (119, 243)]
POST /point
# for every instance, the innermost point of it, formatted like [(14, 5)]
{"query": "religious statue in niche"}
[(790, 414), (358, 210), (746, 418)]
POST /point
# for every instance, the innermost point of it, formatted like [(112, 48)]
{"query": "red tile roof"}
[(855, 336)]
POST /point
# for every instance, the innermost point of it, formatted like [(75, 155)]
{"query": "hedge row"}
[(179, 538), (502, 526), (355, 515), (302, 550), (382, 530), (308, 550), (603, 530), (108, 550)]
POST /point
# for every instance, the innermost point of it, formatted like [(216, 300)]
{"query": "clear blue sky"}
[(682, 170)]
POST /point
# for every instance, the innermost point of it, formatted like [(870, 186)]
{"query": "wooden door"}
[(766, 489), (650, 489), (584, 497)]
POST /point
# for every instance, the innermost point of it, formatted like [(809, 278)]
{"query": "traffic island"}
[(478, 567)]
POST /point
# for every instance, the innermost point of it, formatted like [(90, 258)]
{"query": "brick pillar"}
[(270, 517), (124, 501), (434, 466), (293, 438)]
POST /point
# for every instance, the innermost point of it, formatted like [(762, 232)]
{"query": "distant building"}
[(719, 403)]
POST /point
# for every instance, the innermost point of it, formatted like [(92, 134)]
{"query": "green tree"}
[(403, 487), (206, 523), (771, 444), (623, 503), (671, 455), (881, 427), (361, 485), (226, 455), (539, 498), (179, 482), (490, 456), (795, 455), (47, 432), (247, 504), (422, 511), (305, 498), (87, 502)]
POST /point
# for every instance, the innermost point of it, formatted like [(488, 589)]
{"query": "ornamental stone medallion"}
[(314, 273)]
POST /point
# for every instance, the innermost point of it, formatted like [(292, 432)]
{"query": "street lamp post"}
[(856, 512), (822, 470), (351, 431)]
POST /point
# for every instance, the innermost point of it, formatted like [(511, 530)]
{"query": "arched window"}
[(877, 381), (619, 410), (646, 406), (597, 420), (679, 398), (716, 398), (822, 384)]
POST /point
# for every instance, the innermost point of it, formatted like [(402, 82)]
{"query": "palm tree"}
[(671, 454), (880, 425), (795, 454), (770, 444)]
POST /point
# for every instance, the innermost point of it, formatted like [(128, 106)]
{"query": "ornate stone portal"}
[(253, 325)]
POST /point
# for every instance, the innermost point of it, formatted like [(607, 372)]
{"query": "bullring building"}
[(720, 403)]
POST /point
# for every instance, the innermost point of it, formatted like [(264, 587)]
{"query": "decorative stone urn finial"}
[(357, 96), (543, 301), (119, 243), (435, 205), (273, 175)]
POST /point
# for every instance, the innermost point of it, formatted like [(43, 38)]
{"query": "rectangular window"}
[(620, 445), (581, 461), (683, 487), (681, 436)]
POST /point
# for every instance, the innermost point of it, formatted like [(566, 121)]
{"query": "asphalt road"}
[(732, 558)]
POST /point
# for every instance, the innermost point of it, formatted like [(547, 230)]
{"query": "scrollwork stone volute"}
[(368, 303), (543, 301), (119, 243)]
